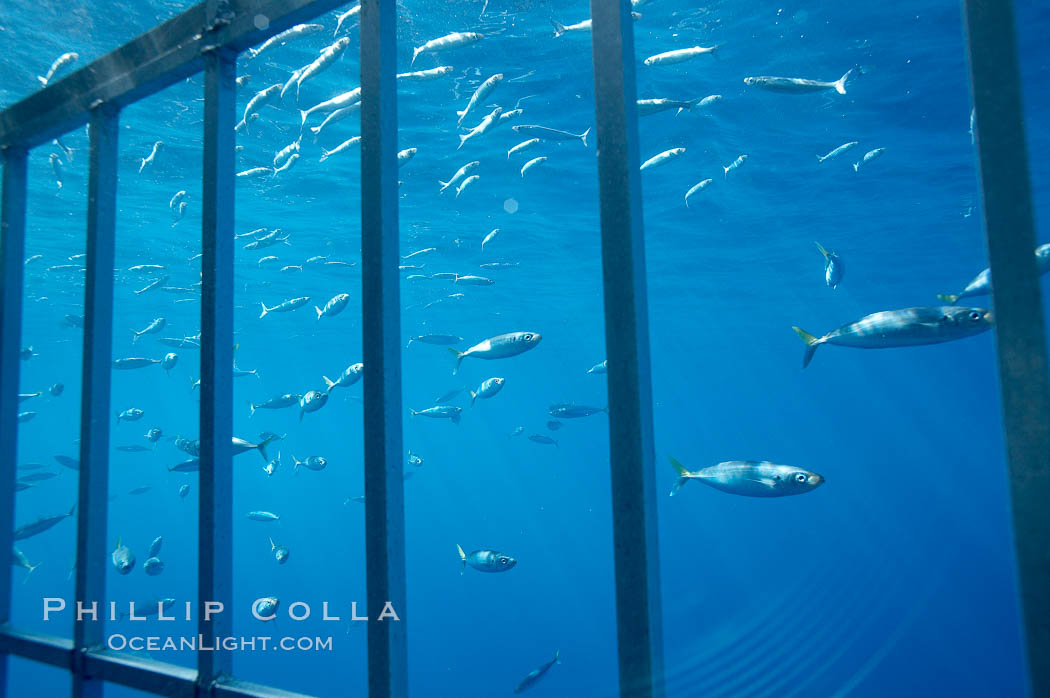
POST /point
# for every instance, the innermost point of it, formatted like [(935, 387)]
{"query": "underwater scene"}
[(832, 522)]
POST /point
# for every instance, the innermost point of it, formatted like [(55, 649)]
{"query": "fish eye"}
[(800, 477), (974, 315), (528, 337), (503, 561)]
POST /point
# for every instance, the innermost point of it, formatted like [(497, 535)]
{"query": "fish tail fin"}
[(473, 397), (559, 28), (134, 336), (295, 468), (444, 185), (319, 312), (272, 546), (459, 359), (684, 475), (583, 137), (262, 447), (821, 248), (324, 154), (840, 84), (72, 509), (303, 114), (557, 656), (316, 130), (820, 159), (328, 382), (30, 568), (414, 412), (264, 310), (462, 139), (811, 345), (856, 167), (462, 558), (43, 80), (415, 55), (251, 407), (726, 175), (948, 298)]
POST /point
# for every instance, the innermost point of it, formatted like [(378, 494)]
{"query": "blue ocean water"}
[(895, 577)]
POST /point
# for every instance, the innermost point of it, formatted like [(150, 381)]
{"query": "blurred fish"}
[(263, 516), (541, 439), (571, 411), (153, 566), (440, 412), (148, 160), (280, 552), (60, 63), (982, 283), (536, 674), (486, 560), (750, 478), (348, 377), (833, 267), (798, 85), (40, 525), (275, 403), (123, 558), (444, 43)]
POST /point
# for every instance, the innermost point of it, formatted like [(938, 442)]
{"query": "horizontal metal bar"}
[(1020, 332), (148, 675), (231, 688), (145, 65), (46, 649)]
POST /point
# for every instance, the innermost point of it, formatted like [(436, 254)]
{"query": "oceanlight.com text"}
[(200, 643)]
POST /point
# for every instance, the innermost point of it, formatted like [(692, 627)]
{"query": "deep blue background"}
[(894, 578)]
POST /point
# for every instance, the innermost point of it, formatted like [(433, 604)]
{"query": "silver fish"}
[(444, 43), (750, 478), (123, 558), (903, 328), (449, 412), (798, 85), (834, 268), (536, 674), (498, 347), (550, 134), (485, 560), (982, 283)]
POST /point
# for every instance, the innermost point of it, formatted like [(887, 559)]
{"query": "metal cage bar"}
[(12, 267), (95, 417), (631, 450), (1019, 327), (381, 309)]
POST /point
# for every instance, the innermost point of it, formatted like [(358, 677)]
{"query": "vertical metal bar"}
[(216, 409), (631, 450), (380, 300), (95, 414), (12, 264), (1020, 331)]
